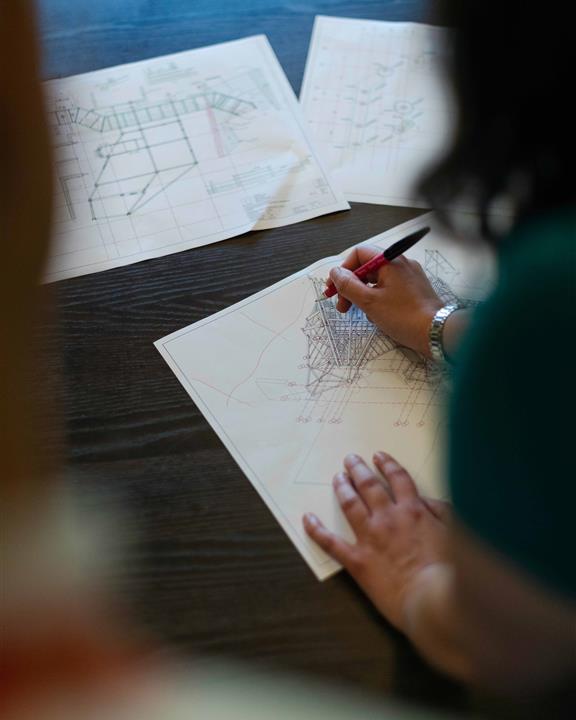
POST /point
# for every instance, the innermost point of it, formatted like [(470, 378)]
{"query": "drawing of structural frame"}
[(151, 152), (349, 360)]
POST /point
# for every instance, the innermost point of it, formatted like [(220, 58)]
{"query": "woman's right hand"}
[(401, 302)]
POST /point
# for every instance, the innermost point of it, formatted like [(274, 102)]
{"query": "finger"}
[(343, 305), (415, 265), (366, 482), (332, 545), (439, 508), (399, 479), (350, 287), (399, 264), (351, 503), (360, 255)]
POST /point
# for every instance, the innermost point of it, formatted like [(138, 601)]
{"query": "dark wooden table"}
[(210, 571)]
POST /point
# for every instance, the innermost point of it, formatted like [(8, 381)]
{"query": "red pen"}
[(386, 257)]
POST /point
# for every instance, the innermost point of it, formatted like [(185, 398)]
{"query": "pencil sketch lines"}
[(162, 155), (259, 176), (349, 360), (276, 335), (339, 345), (385, 72), (168, 71), (67, 184), (152, 150), (120, 117), (378, 125), (340, 349)]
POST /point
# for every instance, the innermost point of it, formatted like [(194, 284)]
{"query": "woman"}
[(488, 596)]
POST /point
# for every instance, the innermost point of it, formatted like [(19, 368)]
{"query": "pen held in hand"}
[(394, 251)]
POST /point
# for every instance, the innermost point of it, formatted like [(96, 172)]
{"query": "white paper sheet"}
[(378, 109), (291, 386), (184, 150)]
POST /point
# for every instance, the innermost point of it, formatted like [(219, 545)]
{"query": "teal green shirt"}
[(512, 454)]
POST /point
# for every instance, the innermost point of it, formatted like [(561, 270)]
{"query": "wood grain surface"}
[(208, 570)]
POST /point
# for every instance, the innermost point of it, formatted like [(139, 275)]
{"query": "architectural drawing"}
[(340, 352), (373, 95), (172, 153), (339, 345), (291, 385), (151, 138)]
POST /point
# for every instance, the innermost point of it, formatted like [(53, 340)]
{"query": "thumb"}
[(350, 287)]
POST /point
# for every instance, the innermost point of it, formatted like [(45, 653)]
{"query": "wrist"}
[(432, 621), (426, 316), (427, 584), (437, 349)]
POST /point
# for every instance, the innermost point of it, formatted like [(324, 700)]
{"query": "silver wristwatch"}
[(436, 332)]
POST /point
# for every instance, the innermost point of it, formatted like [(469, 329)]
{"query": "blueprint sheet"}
[(378, 109), (290, 386), (179, 151)]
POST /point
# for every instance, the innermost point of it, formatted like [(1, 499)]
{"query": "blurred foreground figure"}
[(65, 653)]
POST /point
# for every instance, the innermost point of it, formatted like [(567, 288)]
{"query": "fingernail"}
[(351, 459), (390, 466), (379, 457), (339, 478), (346, 492), (336, 273), (311, 519)]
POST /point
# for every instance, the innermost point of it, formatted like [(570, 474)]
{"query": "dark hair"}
[(511, 69)]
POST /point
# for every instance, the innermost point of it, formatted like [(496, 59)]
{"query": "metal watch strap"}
[(436, 332)]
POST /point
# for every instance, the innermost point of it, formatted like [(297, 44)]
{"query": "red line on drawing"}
[(215, 131)]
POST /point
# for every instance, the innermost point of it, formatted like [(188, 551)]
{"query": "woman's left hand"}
[(398, 532)]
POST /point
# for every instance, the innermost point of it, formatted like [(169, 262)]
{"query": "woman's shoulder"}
[(536, 285), (512, 406), (539, 252)]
